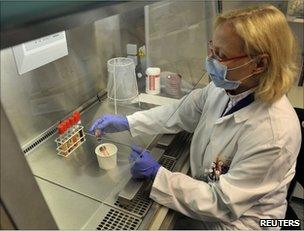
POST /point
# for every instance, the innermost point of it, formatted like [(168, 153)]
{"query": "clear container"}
[(173, 85), (122, 84)]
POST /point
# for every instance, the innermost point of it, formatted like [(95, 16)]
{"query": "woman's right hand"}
[(110, 124)]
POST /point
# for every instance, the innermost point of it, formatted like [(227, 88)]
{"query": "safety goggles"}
[(212, 54)]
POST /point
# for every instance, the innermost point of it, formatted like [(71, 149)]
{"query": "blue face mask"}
[(218, 72)]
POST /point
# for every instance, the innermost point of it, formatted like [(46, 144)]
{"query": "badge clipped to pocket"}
[(218, 167)]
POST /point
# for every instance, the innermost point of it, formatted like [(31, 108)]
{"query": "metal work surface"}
[(80, 171), (78, 177), (129, 191), (70, 210)]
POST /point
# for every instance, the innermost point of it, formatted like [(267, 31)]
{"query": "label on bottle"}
[(153, 84)]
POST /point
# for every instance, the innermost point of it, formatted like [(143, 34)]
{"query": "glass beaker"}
[(122, 84)]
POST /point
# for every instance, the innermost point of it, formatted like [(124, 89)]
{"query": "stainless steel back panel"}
[(38, 99)]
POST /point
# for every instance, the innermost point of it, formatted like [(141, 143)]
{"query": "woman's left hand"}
[(144, 166)]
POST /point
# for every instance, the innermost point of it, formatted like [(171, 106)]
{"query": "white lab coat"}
[(260, 142)]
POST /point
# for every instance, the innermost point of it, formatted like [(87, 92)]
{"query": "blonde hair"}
[(265, 30)]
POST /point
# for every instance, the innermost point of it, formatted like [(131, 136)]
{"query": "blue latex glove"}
[(143, 163), (110, 124)]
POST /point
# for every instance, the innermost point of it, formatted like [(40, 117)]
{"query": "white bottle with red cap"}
[(153, 80)]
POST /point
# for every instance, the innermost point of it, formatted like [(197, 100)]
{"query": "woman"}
[(246, 134)]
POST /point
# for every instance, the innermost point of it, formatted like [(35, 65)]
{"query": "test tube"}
[(68, 126), (75, 136), (63, 145), (77, 120)]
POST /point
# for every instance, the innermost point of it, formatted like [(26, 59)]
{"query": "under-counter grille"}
[(167, 162), (29, 147), (117, 220), (139, 205), (179, 145)]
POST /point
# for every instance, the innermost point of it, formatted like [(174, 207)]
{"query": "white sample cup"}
[(107, 160)]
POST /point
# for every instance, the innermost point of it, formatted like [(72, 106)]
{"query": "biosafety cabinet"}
[(54, 63)]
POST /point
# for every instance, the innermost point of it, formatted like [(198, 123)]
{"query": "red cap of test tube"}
[(72, 120), (67, 124), (76, 116), (61, 128)]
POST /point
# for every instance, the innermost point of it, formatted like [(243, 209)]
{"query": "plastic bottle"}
[(140, 72), (173, 85), (153, 80)]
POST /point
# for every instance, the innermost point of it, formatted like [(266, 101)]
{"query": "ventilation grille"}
[(117, 220), (141, 202), (38, 140), (139, 205), (167, 162), (179, 145)]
